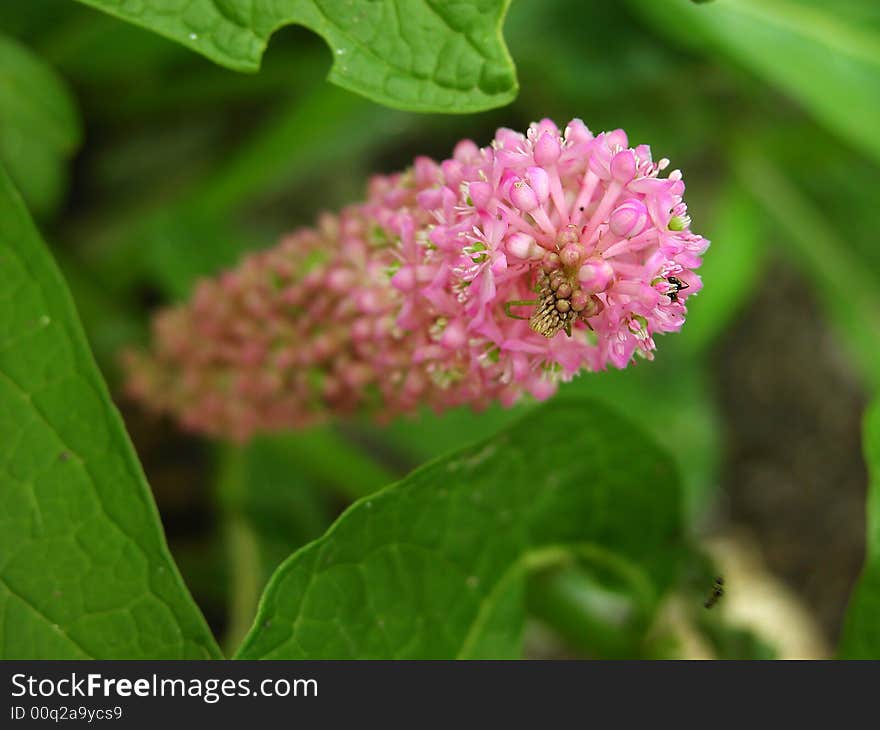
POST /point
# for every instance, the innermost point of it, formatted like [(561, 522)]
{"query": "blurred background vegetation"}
[(147, 166)]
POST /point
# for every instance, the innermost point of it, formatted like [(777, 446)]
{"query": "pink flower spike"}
[(469, 281)]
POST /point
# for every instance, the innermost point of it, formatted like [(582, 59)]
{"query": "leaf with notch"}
[(421, 55)]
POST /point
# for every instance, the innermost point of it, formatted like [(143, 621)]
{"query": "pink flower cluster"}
[(493, 274)]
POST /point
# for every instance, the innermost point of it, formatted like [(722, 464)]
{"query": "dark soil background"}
[(794, 473)]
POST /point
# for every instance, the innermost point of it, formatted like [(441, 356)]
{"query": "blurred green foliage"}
[(825, 55), (769, 106), (39, 126)]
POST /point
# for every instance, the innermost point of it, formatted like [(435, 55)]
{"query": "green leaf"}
[(84, 568), (672, 400), (434, 566), (826, 55), (861, 631), (421, 55), (599, 620), (39, 126)]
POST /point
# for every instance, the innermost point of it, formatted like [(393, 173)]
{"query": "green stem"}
[(244, 560)]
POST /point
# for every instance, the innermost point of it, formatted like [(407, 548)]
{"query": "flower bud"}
[(466, 150), (452, 171), (571, 255), (425, 172), (576, 132), (480, 194), (404, 279), (539, 181), (629, 219), (523, 197), (454, 336), (623, 166), (550, 262), (547, 149), (523, 246), (579, 300), (596, 275)]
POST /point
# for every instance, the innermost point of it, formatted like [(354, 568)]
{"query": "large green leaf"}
[(825, 54), (861, 633), (84, 568), (39, 126), (670, 399), (423, 55), (434, 566)]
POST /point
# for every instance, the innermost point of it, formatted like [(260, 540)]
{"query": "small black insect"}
[(677, 285), (717, 592)]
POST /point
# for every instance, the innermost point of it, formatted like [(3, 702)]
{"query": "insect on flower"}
[(553, 310), (558, 305), (677, 286)]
